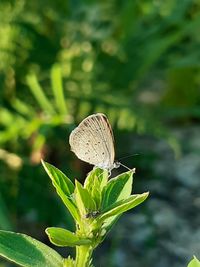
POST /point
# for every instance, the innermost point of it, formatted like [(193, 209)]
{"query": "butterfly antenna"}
[(129, 156), (125, 166)]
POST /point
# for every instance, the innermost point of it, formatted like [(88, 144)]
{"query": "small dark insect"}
[(92, 214)]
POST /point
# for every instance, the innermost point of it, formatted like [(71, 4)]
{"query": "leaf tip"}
[(47, 231), (43, 162), (133, 170), (45, 165), (146, 194)]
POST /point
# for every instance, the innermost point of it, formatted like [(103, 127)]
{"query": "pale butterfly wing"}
[(92, 141)]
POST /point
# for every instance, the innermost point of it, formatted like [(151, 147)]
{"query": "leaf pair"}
[(116, 198)]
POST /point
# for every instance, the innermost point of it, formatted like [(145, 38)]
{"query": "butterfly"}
[(92, 141)]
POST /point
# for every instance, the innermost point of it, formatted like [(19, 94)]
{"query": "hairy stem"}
[(83, 256)]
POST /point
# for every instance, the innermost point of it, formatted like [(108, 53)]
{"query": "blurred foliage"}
[(136, 61)]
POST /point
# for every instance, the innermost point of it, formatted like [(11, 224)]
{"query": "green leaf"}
[(123, 205), (126, 188), (63, 238), (64, 188), (69, 262), (57, 87), (38, 93), (194, 262), (94, 183), (117, 189), (27, 251), (96, 174), (84, 201), (59, 178), (22, 107)]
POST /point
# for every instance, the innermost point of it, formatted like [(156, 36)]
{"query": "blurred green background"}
[(139, 63)]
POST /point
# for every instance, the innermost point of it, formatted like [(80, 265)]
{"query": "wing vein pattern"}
[(92, 141)]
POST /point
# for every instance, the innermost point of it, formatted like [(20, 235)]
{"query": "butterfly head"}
[(116, 165)]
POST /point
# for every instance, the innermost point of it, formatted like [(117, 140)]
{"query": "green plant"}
[(94, 206), (194, 262)]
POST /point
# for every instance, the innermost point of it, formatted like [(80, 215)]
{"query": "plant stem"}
[(83, 255)]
